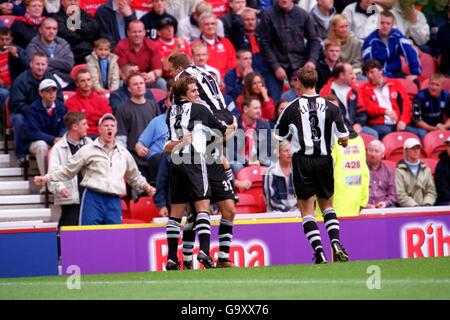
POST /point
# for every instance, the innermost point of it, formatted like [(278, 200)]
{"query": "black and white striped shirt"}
[(311, 122)]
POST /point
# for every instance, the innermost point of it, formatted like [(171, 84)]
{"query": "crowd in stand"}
[(108, 55)]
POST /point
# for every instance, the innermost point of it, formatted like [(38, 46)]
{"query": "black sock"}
[(225, 237), (173, 233), (312, 233), (189, 237), (203, 229), (332, 224)]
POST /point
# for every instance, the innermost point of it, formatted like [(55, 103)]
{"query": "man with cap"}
[(168, 44), (105, 166), (413, 179), (153, 19), (442, 176), (44, 122)]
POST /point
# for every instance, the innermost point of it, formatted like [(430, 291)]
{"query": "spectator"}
[(118, 97), (88, 102), (444, 46), (113, 18), (322, 14), (431, 106), (103, 66), (387, 44), (442, 176), (68, 195), (200, 58), (101, 201), (180, 9), (60, 61), (351, 174), (134, 116), (350, 100), (8, 8), (388, 105), (138, 49), (435, 12), (279, 107), (153, 19), (278, 182), (254, 86), (261, 5), (294, 91), (250, 40), (252, 141), (283, 31), (234, 78), (24, 91), (232, 21), (357, 14), (44, 123), (351, 46), (382, 178), (413, 179), (222, 54), (79, 29), (13, 60), (25, 28), (188, 27), (52, 6), (326, 65), (168, 44)]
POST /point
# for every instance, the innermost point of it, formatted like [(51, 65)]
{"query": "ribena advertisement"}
[(429, 239)]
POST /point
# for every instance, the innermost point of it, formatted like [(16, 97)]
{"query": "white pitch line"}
[(234, 282)]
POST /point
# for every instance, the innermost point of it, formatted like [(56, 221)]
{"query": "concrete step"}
[(25, 214), (25, 199), (10, 144), (11, 172), (5, 160), (14, 187)]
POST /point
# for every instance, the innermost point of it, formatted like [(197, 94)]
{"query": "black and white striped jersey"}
[(197, 119), (209, 91), (311, 122)]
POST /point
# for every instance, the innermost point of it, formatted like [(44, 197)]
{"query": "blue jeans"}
[(18, 123), (384, 129), (369, 130)]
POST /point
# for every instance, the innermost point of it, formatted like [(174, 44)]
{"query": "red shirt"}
[(91, 6), (166, 50), (222, 55), (267, 108), (93, 106), (147, 58), (219, 7), (5, 76), (143, 5)]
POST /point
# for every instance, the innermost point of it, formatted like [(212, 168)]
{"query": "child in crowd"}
[(103, 66)]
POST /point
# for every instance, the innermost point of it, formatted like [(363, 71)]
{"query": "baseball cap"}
[(47, 83), (411, 142), (166, 21), (106, 116)]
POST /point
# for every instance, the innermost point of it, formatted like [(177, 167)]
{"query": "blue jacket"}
[(154, 135), (41, 126), (24, 91), (233, 84), (17, 65), (279, 192), (429, 109), (389, 56), (162, 195)]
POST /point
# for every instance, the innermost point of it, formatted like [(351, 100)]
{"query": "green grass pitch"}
[(399, 279)]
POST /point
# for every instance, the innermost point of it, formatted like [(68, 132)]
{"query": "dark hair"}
[(39, 54), (249, 100), (338, 69), (179, 60), (371, 64), (308, 77), (180, 88), (248, 82), (71, 118), (277, 106), (5, 31), (387, 13), (131, 76), (241, 51)]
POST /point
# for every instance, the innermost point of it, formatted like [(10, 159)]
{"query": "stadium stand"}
[(431, 163), (144, 210), (394, 144), (410, 87), (367, 138), (247, 204), (433, 143), (159, 94)]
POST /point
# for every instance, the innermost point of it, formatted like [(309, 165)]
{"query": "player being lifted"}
[(311, 122)]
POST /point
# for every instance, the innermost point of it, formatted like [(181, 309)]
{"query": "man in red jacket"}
[(87, 101), (388, 105)]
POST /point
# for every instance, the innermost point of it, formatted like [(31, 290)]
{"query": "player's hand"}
[(164, 212), (64, 192), (40, 180), (141, 150)]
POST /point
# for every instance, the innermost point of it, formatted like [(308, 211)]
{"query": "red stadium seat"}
[(258, 197), (391, 164), (410, 87), (145, 209), (431, 163), (253, 173), (125, 210), (367, 138), (7, 20), (424, 84), (68, 94), (394, 144), (159, 94), (247, 204), (76, 68), (428, 65), (433, 143)]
